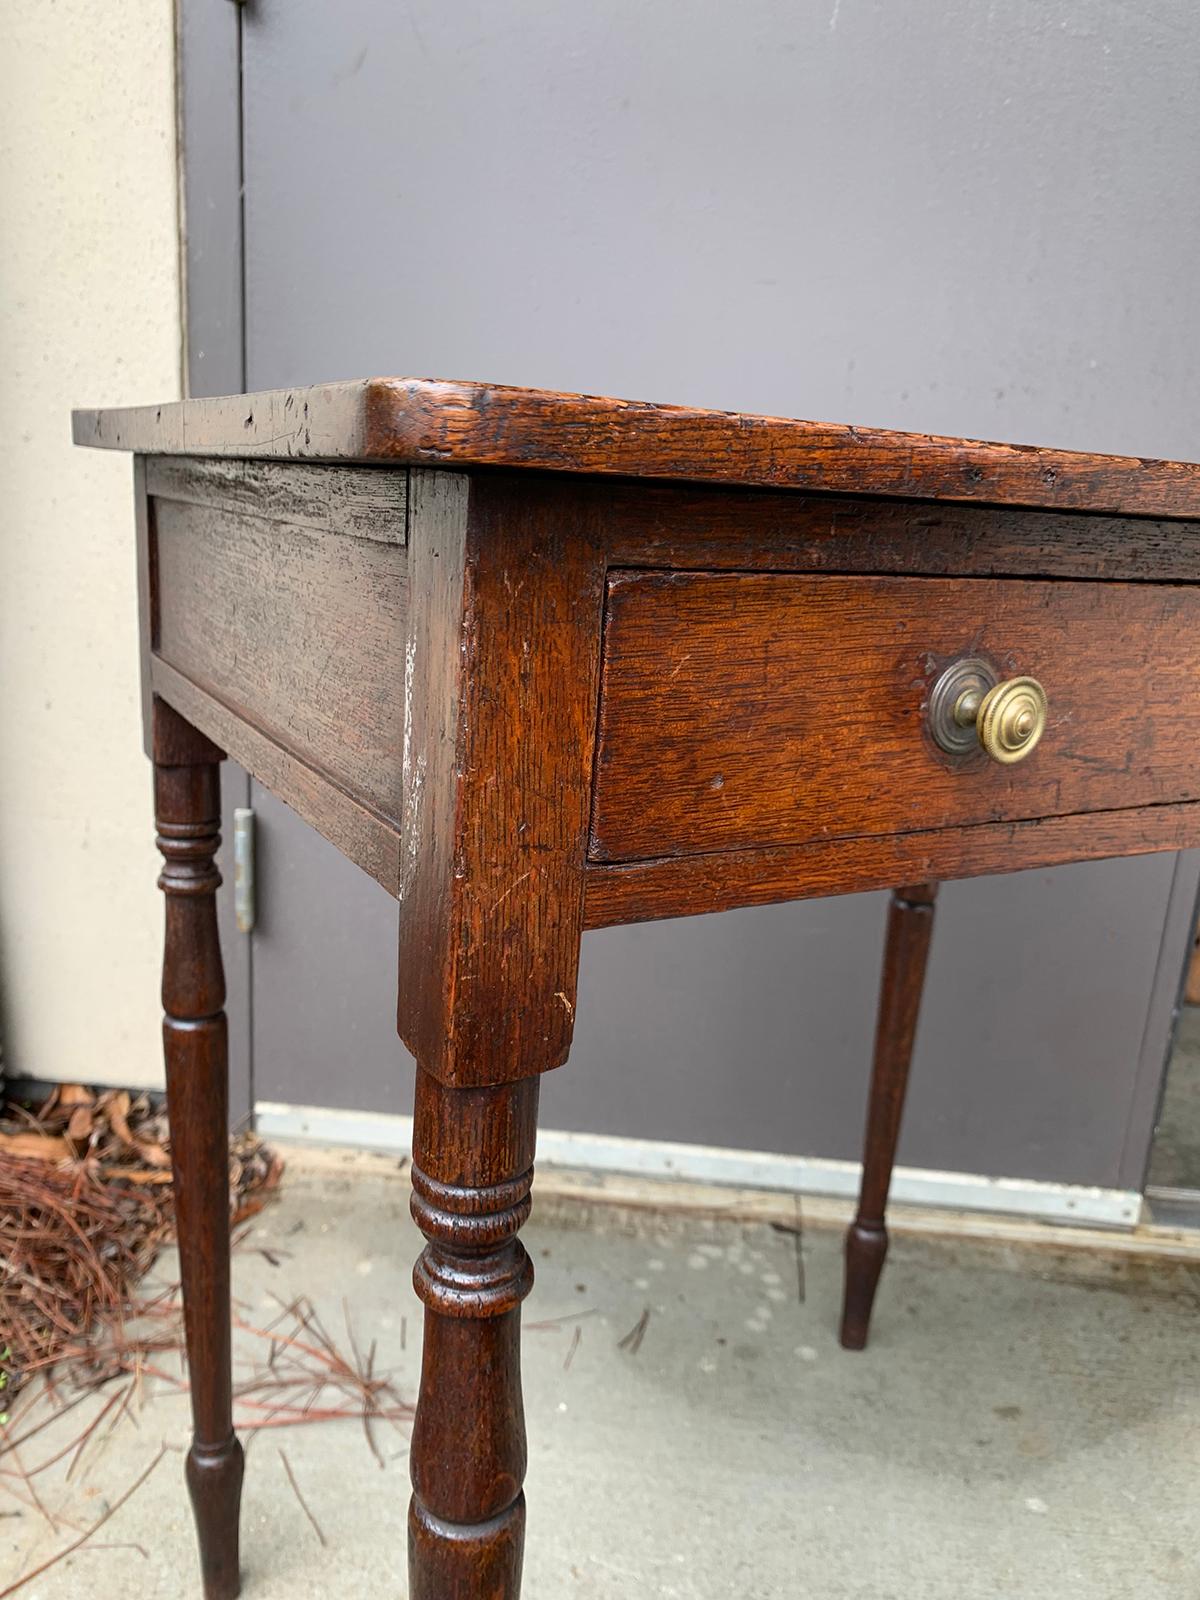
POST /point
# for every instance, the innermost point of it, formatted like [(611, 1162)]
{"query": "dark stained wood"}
[(717, 528), (744, 709), (146, 601), (503, 662), (372, 839), (405, 645), (300, 633), (472, 1172), (188, 811), (361, 502), (686, 886), (909, 930), (372, 842), (659, 525), (426, 422)]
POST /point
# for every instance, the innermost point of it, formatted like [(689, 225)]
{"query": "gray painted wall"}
[(963, 218)]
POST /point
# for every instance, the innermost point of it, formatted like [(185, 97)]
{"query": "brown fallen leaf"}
[(73, 1094), (116, 1107), (35, 1146), (79, 1128), (154, 1154)]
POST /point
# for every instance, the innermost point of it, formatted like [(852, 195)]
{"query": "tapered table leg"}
[(910, 927), (187, 795), (472, 1172)]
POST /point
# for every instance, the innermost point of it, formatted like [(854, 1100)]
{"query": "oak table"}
[(545, 662)]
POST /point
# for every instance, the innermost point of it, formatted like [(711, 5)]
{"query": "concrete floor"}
[(1025, 1424)]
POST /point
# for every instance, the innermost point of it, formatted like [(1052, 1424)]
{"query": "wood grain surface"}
[(419, 421), (361, 502), (905, 955), (416, 659), (187, 808), (502, 674), (300, 632), (472, 1173), (687, 886), (741, 710), (371, 841), (662, 525)]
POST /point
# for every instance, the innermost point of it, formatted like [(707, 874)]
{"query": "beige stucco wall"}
[(89, 314)]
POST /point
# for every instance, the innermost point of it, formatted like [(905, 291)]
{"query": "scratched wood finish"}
[(503, 662), (360, 502), (421, 421), (472, 1173), (433, 710), (742, 710), (672, 525), (906, 952), (654, 524), (689, 886), (301, 633), (187, 791), (361, 834)]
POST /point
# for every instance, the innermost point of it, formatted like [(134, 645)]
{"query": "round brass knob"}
[(1011, 719), (969, 709)]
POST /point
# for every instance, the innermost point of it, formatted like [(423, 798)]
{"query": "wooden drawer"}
[(741, 709)]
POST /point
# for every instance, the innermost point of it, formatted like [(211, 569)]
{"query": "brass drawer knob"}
[(1009, 719), (969, 709)]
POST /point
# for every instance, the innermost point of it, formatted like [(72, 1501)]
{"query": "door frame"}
[(208, 71)]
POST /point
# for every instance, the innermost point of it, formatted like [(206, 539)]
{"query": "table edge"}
[(452, 424)]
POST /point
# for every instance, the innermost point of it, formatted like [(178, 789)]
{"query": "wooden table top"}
[(430, 422)]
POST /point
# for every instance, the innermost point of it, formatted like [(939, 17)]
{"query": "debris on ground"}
[(632, 1342), (85, 1206)]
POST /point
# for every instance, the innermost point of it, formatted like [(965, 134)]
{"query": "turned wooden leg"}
[(187, 795), (472, 1172), (910, 925)]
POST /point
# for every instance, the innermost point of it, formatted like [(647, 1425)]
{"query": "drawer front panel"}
[(740, 710)]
